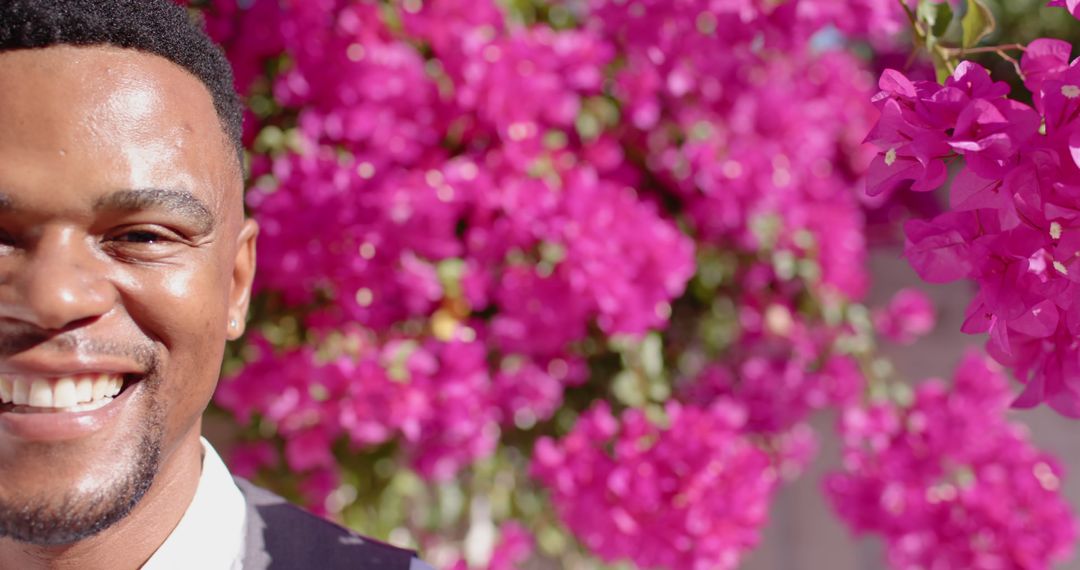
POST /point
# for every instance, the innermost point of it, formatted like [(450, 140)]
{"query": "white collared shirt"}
[(210, 535)]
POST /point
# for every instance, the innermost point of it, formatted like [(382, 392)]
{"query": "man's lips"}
[(57, 365), (55, 396), (63, 381), (45, 424)]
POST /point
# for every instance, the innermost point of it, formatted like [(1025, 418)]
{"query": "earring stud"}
[(232, 323)]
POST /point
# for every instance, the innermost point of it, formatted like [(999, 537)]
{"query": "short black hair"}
[(159, 27)]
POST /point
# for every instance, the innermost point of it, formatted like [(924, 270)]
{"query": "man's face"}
[(123, 257)]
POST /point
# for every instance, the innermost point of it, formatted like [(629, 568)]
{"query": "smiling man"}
[(125, 265)]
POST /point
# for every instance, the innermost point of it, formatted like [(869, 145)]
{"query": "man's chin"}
[(80, 513)]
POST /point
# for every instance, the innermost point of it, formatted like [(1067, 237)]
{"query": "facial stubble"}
[(78, 515)]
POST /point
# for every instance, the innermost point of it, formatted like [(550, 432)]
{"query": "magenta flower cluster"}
[(702, 96), (691, 494), (1012, 226), (781, 369), (948, 482), (478, 266), (908, 316), (437, 399), (460, 204)]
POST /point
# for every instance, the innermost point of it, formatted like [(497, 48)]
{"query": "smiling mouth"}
[(79, 393)]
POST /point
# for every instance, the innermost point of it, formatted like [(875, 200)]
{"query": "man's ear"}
[(242, 276)]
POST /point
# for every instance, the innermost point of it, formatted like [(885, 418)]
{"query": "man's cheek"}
[(183, 283), (186, 294), (184, 313)]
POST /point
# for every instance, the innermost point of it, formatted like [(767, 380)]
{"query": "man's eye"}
[(140, 236)]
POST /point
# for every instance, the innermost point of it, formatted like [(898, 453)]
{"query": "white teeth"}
[(84, 389), (106, 385), (20, 393), (64, 395), (71, 394), (101, 387), (41, 394), (90, 405), (76, 408)]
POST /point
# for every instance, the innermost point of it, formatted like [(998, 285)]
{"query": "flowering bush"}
[(691, 495), (564, 280), (949, 482)]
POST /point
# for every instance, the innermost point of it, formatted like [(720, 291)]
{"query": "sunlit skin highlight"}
[(123, 244)]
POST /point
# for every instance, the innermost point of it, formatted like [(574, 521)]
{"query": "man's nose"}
[(56, 283)]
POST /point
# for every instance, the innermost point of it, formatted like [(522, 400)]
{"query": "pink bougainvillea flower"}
[(949, 482), (690, 494), (1072, 5), (908, 316)]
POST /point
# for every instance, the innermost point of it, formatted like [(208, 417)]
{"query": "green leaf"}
[(941, 65), (652, 355), (628, 389), (937, 16), (941, 69), (978, 23), (450, 272)]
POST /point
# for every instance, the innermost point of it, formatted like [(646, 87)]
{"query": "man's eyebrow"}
[(181, 202)]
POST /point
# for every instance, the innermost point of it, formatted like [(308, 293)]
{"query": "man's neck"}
[(129, 543)]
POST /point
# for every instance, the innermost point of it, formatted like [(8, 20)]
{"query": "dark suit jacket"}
[(281, 536)]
